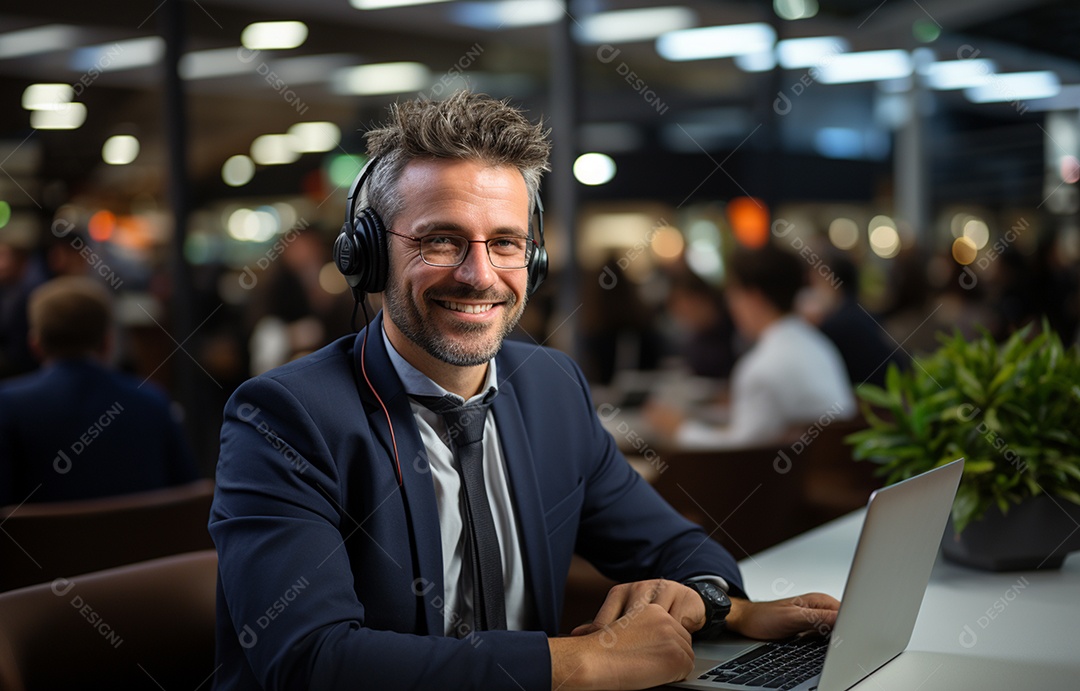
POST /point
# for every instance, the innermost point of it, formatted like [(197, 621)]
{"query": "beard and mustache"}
[(480, 342)]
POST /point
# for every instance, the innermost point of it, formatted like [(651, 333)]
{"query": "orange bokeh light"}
[(101, 225), (749, 219)]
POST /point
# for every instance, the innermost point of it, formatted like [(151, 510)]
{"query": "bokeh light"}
[(238, 170), (964, 250), (843, 233), (976, 230), (120, 150), (667, 242), (884, 241), (102, 225), (594, 169), (749, 221)]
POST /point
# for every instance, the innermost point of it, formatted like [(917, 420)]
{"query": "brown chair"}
[(142, 626), (40, 542), (834, 483), (747, 499)]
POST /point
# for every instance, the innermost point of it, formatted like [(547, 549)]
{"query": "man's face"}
[(744, 307), (458, 315)]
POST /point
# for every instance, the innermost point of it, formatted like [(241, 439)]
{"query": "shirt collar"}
[(417, 383)]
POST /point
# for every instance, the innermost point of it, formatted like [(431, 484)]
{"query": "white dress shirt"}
[(793, 375), (458, 610)]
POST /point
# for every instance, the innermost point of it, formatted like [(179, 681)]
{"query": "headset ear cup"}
[(538, 262), (538, 268), (360, 251), (371, 245), (345, 255)]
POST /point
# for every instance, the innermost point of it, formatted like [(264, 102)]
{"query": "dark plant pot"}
[(1036, 534)]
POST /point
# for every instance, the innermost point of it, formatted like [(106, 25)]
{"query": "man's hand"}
[(641, 635), (642, 648), (682, 603), (782, 618)]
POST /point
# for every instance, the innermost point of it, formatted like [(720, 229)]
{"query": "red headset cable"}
[(363, 369)]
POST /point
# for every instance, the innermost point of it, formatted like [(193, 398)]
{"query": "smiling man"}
[(447, 475), (453, 319)]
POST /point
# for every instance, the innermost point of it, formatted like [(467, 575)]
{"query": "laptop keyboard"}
[(778, 665)]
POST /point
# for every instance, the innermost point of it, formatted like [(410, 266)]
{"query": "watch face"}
[(721, 596), (717, 604)]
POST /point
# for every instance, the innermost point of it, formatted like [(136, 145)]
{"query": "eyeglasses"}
[(504, 252)]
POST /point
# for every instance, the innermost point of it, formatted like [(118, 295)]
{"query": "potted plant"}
[(1013, 412)]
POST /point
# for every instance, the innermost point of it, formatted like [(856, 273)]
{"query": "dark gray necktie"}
[(465, 426)]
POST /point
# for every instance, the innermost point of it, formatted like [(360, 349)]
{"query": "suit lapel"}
[(418, 489), (526, 494)]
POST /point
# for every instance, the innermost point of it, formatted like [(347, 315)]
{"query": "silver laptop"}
[(885, 586)]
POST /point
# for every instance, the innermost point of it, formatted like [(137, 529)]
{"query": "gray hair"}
[(465, 126)]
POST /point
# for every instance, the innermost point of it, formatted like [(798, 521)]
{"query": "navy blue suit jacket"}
[(77, 430), (331, 574)]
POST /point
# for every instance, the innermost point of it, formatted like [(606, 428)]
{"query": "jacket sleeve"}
[(279, 524)]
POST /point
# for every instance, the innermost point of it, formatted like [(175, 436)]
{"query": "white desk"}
[(976, 630)]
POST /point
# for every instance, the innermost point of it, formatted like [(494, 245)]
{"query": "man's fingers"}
[(823, 617), (613, 607), (585, 629), (631, 596), (818, 609), (817, 601), (663, 593)]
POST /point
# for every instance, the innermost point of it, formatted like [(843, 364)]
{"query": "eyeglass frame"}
[(487, 246)]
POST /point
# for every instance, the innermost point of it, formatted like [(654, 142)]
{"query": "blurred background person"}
[(77, 429), (791, 376), (909, 314), (832, 305), (16, 281), (706, 338), (293, 313), (617, 326)]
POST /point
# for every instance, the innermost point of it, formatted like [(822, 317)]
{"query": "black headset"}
[(360, 251)]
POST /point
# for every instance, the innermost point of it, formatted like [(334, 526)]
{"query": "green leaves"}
[(1012, 410)]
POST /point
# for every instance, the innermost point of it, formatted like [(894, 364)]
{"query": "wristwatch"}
[(717, 606)]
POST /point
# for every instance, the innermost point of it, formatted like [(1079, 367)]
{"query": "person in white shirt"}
[(792, 376)]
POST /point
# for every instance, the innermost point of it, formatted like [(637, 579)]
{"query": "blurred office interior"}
[(195, 158)]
